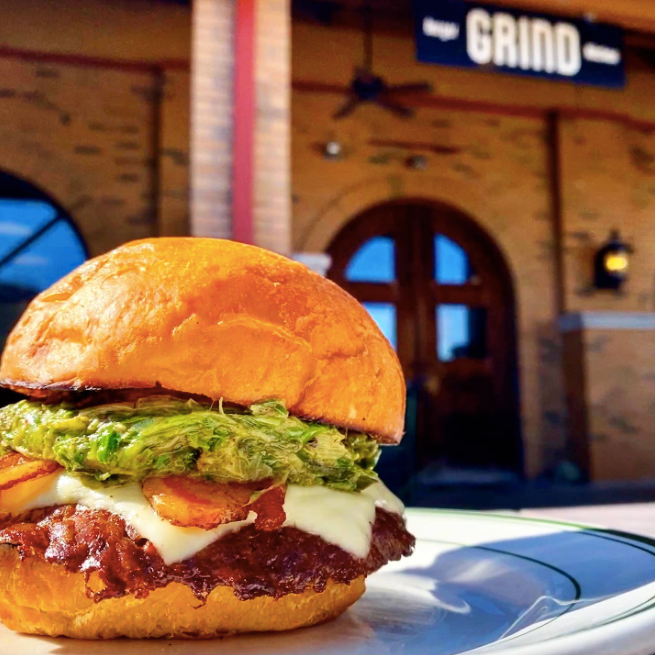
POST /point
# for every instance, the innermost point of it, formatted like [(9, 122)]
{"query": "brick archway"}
[(374, 191), (55, 176)]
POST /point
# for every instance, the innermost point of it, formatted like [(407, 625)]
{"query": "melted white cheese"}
[(173, 543), (338, 517), (384, 499)]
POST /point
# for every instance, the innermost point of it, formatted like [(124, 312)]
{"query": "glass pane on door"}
[(384, 314), (451, 263), (373, 262), (461, 332)]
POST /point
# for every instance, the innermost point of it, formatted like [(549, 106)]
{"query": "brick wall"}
[(497, 168), (85, 136), (144, 36), (608, 182), (613, 376), (173, 160), (608, 173), (130, 30), (492, 168), (327, 53), (107, 140), (211, 119), (272, 210)]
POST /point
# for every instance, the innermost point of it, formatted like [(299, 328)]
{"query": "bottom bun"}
[(46, 599)]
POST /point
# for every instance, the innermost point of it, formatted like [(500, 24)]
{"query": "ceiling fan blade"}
[(347, 108), (399, 110), (417, 87)]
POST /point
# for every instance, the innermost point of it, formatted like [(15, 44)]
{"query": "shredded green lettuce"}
[(163, 435)]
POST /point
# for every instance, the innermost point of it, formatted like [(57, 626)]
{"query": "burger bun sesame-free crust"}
[(215, 318), (37, 597)]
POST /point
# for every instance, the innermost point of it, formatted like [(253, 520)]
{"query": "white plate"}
[(477, 582)]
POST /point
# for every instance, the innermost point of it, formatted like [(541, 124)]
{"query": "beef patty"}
[(117, 562)]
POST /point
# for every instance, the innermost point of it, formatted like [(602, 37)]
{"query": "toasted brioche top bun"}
[(215, 318), (41, 598)]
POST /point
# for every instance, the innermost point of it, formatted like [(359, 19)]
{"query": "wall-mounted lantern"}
[(612, 263)]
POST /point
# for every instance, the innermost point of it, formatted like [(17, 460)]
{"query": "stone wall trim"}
[(607, 321)]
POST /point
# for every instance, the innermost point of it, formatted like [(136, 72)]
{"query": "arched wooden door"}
[(440, 290)]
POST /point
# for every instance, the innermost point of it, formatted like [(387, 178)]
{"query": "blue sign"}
[(471, 35)]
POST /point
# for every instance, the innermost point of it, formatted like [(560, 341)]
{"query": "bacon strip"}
[(23, 478), (16, 468), (189, 502), (270, 509)]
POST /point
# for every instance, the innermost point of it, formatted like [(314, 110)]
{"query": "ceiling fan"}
[(365, 86)]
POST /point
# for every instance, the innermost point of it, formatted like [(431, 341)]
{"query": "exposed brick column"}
[(272, 179), (211, 117), (212, 121)]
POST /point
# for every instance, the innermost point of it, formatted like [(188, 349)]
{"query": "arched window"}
[(39, 244)]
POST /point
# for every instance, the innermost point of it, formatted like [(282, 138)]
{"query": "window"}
[(19, 219), (38, 245), (373, 262), (384, 314), (461, 332), (451, 264), (39, 263)]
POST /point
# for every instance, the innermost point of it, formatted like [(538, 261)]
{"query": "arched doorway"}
[(441, 291), (39, 243)]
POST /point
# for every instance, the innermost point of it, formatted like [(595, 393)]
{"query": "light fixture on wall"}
[(332, 149), (612, 263)]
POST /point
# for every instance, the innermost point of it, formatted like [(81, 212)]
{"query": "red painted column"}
[(243, 154)]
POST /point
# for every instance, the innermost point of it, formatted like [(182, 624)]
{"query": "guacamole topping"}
[(162, 435)]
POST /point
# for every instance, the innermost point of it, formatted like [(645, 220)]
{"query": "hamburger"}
[(195, 453)]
